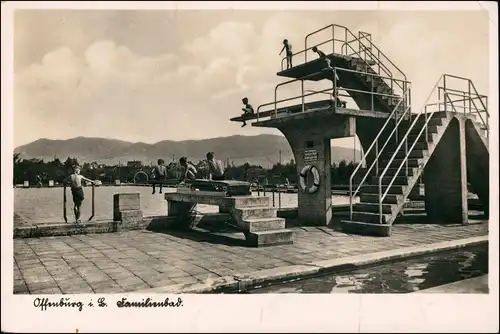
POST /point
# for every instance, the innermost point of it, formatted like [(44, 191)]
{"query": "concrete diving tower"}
[(397, 143)]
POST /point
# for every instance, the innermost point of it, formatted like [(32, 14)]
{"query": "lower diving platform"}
[(320, 109)]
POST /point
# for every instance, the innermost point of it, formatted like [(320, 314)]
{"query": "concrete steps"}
[(264, 224), (260, 224), (270, 238), (255, 212), (366, 215)]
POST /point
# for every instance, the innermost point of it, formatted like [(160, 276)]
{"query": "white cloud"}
[(110, 90)]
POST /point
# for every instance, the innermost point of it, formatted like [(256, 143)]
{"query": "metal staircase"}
[(400, 158)]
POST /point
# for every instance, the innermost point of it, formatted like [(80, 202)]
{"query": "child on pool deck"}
[(75, 181), (160, 174)]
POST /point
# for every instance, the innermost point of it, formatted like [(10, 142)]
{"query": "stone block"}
[(125, 202), (180, 208), (264, 224), (379, 230), (255, 212), (130, 217), (269, 238), (250, 201)]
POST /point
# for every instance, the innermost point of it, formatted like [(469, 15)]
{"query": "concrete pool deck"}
[(188, 262)]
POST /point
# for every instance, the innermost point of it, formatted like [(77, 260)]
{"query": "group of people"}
[(249, 110), (75, 179), (188, 171)]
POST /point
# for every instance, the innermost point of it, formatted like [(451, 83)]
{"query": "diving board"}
[(317, 65)]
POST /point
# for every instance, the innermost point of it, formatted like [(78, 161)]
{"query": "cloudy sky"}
[(156, 75)]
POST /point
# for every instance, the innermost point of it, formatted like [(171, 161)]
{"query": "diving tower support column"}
[(309, 139)]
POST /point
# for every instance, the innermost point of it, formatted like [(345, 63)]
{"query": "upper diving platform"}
[(355, 67), (316, 65)]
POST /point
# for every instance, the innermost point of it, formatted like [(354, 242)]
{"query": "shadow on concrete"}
[(222, 234)]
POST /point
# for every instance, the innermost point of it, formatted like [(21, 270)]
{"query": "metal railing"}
[(65, 214), (372, 92), (364, 52), (379, 54), (444, 100), (378, 152), (472, 95), (367, 50)]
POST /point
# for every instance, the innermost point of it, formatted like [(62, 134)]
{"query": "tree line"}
[(37, 170)]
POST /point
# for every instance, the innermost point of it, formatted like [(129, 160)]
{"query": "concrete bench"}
[(252, 215)]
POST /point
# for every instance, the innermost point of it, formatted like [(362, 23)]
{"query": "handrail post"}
[(345, 35), (444, 92), (279, 198), (302, 87), (334, 88), (426, 129), (93, 202), (409, 99), (371, 89), (468, 85), (275, 104), (333, 39), (380, 199), (470, 110), (350, 196), (376, 157), (305, 50), (396, 124), (65, 216), (378, 63), (406, 152)]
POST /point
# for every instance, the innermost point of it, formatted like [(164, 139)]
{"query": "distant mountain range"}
[(257, 150)]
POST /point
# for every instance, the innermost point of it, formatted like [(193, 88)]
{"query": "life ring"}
[(303, 175)]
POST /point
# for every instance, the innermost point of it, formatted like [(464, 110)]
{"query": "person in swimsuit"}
[(247, 110), (323, 56), (338, 101), (188, 170), (288, 47), (215, 168), (75, 182), (160, 174)]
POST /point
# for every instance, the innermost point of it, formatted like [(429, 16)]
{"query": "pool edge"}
[(243, 282)]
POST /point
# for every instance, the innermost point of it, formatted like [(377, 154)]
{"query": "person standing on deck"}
[(288, 47), (247, 110), (75, 181), (188, 170), (160, 174), (215, 168)]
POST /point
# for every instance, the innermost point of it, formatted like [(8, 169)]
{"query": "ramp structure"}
[(444, 144)]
